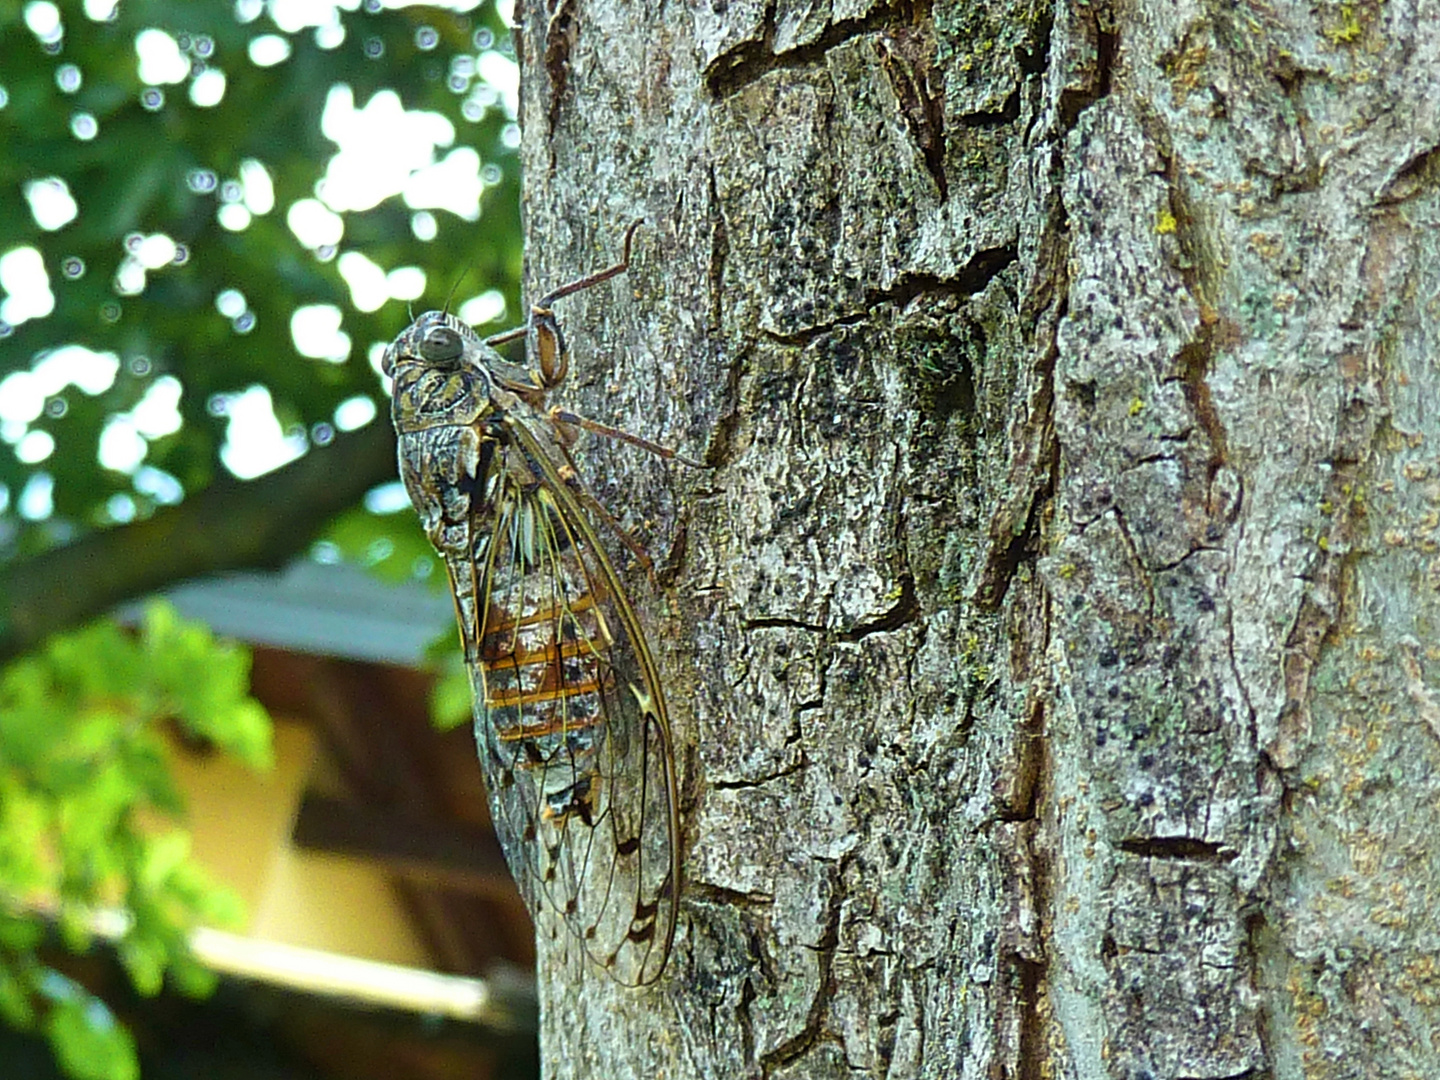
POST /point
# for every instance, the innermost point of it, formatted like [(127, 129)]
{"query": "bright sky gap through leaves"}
[(382, 151)]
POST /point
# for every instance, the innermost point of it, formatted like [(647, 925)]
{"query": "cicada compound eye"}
[(440, 345)]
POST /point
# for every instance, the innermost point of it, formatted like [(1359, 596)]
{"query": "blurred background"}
[(242, 827)]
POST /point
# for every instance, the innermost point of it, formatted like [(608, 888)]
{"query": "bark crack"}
[(971, 279), (906, 609), (908, 62), (804, 337), (1020, 803), (1257, 929), (754, 59), (1175, 564), (814, 1030), (1291, 78), (719, 894), (1178, 848), (720, 447), (747, 1024), (1006, 553), (1133, 550), (1106, 43), (562, 28), (798, 765), (773, 622), (719, 252), (1420, 173), (1016, 524), (1196, 358)]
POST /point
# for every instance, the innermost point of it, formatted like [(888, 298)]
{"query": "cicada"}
[(570, 718)]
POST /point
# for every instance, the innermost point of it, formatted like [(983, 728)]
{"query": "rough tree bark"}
[(1052, 645)]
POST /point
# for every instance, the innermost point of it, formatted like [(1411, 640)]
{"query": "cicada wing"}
[(571, 728)]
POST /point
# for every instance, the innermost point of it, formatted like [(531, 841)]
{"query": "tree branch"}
[(231, 525)]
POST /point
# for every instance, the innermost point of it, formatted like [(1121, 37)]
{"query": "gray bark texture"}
[(1051, 645)]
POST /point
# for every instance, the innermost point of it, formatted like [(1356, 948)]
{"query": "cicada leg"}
[(550, 352), (564, 416), (596, 278), (571, 476)]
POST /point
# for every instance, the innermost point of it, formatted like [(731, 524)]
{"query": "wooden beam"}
[(425, 851)]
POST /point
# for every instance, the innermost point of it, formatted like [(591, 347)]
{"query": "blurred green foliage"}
[(84, 778), (137, 176), (81, 721)]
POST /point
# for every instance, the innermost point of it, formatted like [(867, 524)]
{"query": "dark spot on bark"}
[(1109, 657)]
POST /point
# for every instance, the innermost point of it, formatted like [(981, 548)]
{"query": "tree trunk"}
[(1050, 648)]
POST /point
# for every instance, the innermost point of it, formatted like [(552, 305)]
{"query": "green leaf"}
[(138, 175), (248, 734), (81, 755), (221, 907), (88, 1043), (451, 701), (145, 959), (391, 546), (162, 856), (19, 935), (26, 866), (83, 720), (15, 1007), (192, 978)]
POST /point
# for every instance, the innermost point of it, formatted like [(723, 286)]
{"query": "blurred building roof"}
[(325, 609)]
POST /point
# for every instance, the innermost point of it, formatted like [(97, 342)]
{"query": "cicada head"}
[(441, 371)]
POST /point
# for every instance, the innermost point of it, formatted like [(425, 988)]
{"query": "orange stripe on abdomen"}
[(549, 690), (499, 623), (509, 699)]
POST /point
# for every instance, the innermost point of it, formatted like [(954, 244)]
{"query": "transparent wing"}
[(570, 720)]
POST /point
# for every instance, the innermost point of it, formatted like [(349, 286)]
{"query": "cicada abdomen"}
[(570, 717)]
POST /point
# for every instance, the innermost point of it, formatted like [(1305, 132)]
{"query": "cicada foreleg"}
[(551, 355)]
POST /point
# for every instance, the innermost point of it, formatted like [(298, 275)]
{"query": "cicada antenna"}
[(454, 289)]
